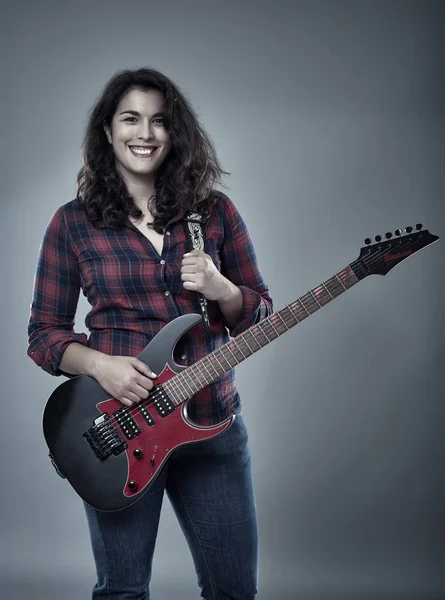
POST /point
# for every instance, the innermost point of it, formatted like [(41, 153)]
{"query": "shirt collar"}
[(177, 217)]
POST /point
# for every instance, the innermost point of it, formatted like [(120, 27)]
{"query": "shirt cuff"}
[(49, 356), (255, 308)]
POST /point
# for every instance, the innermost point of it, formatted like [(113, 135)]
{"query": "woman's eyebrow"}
[(137, 114)]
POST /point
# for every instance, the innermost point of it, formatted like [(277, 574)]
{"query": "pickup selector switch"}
[(137, 453), (132, 485)]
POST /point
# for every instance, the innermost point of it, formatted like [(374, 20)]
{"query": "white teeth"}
[(143, 150)]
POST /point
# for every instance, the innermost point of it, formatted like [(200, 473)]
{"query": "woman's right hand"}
[(125, 378)]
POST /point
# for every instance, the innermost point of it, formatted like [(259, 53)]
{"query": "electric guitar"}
[(111, 453)]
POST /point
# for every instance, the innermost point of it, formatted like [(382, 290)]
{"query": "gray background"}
[(330, 117)]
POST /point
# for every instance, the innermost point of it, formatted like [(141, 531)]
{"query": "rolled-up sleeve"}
[(239, 264), (55, 298)]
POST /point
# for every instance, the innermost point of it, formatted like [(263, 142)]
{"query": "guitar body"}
[(115, 482)]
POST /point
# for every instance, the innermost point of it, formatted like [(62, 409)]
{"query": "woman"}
[(123, 241)]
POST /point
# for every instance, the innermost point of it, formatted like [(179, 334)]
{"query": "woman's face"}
[(140, 141)]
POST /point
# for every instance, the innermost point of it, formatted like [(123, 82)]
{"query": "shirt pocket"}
[(122, 277)]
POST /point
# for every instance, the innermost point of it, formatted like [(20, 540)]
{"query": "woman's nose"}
[(145, 130)]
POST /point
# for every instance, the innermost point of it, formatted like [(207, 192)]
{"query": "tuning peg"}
[(388, 235), (408, 229), (378, 238), (368, 241), (419, 226), (398, 232)]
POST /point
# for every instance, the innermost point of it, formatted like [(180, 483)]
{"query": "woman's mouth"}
[(143, 151)]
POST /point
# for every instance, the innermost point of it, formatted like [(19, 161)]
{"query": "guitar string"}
[(134, 409)]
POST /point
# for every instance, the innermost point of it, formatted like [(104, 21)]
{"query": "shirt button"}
[(167, 233), (184, 356), (162, 262), (167, 293)]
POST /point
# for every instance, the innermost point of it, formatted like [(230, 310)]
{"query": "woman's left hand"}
[(199, 274)]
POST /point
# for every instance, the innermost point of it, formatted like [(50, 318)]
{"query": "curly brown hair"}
[(184, 180)]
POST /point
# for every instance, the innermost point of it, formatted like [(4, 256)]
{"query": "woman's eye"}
[(127, 118)]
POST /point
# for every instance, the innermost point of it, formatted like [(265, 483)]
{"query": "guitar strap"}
[(195, 233)]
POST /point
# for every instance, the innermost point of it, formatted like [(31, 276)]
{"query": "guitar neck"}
[(229, 355)]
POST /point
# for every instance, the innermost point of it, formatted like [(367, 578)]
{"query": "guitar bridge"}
[(104, 439)]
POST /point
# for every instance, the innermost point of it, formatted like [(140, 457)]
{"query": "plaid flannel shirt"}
[(133, 292)]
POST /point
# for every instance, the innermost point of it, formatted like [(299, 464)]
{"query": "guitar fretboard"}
[(229, 355)]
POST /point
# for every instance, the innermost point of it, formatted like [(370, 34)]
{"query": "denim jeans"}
[(210, 488)]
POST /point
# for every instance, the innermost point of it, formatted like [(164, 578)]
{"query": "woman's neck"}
[(141, 191)]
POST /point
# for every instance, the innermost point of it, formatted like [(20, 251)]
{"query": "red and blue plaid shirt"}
[(134, 292)]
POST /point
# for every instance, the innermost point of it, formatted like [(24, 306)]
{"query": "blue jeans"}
[(210, 488)]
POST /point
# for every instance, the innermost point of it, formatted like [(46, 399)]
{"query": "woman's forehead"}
[(141, 101)]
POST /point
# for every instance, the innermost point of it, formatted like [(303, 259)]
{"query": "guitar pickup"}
[(162, 402), (126, 422), (146, 415)]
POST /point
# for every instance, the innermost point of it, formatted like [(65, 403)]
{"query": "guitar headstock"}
[(387, 251)]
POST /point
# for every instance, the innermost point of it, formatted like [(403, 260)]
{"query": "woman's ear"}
[(107, 132)]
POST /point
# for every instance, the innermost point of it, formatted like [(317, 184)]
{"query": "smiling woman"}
[(124, 242)]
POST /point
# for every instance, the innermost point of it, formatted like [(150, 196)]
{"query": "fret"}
[(239, 348), (339, 275), (308, 304), (293, 317), (173, 383), (179, 392), (263, 332), (301, 305), (229, 349), (236, 351), (197, 378), (270, 328), (180, 389), (323, 297), (250, 332), (335, 288), (220, 365), (202, 362), (208, 357), (182, 377), (220, 350), (199, 374), (281, 318), (256, 331), (223, 350), (247, 343), (273, 327), (304, 306), (327, 291), (315, 298)]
